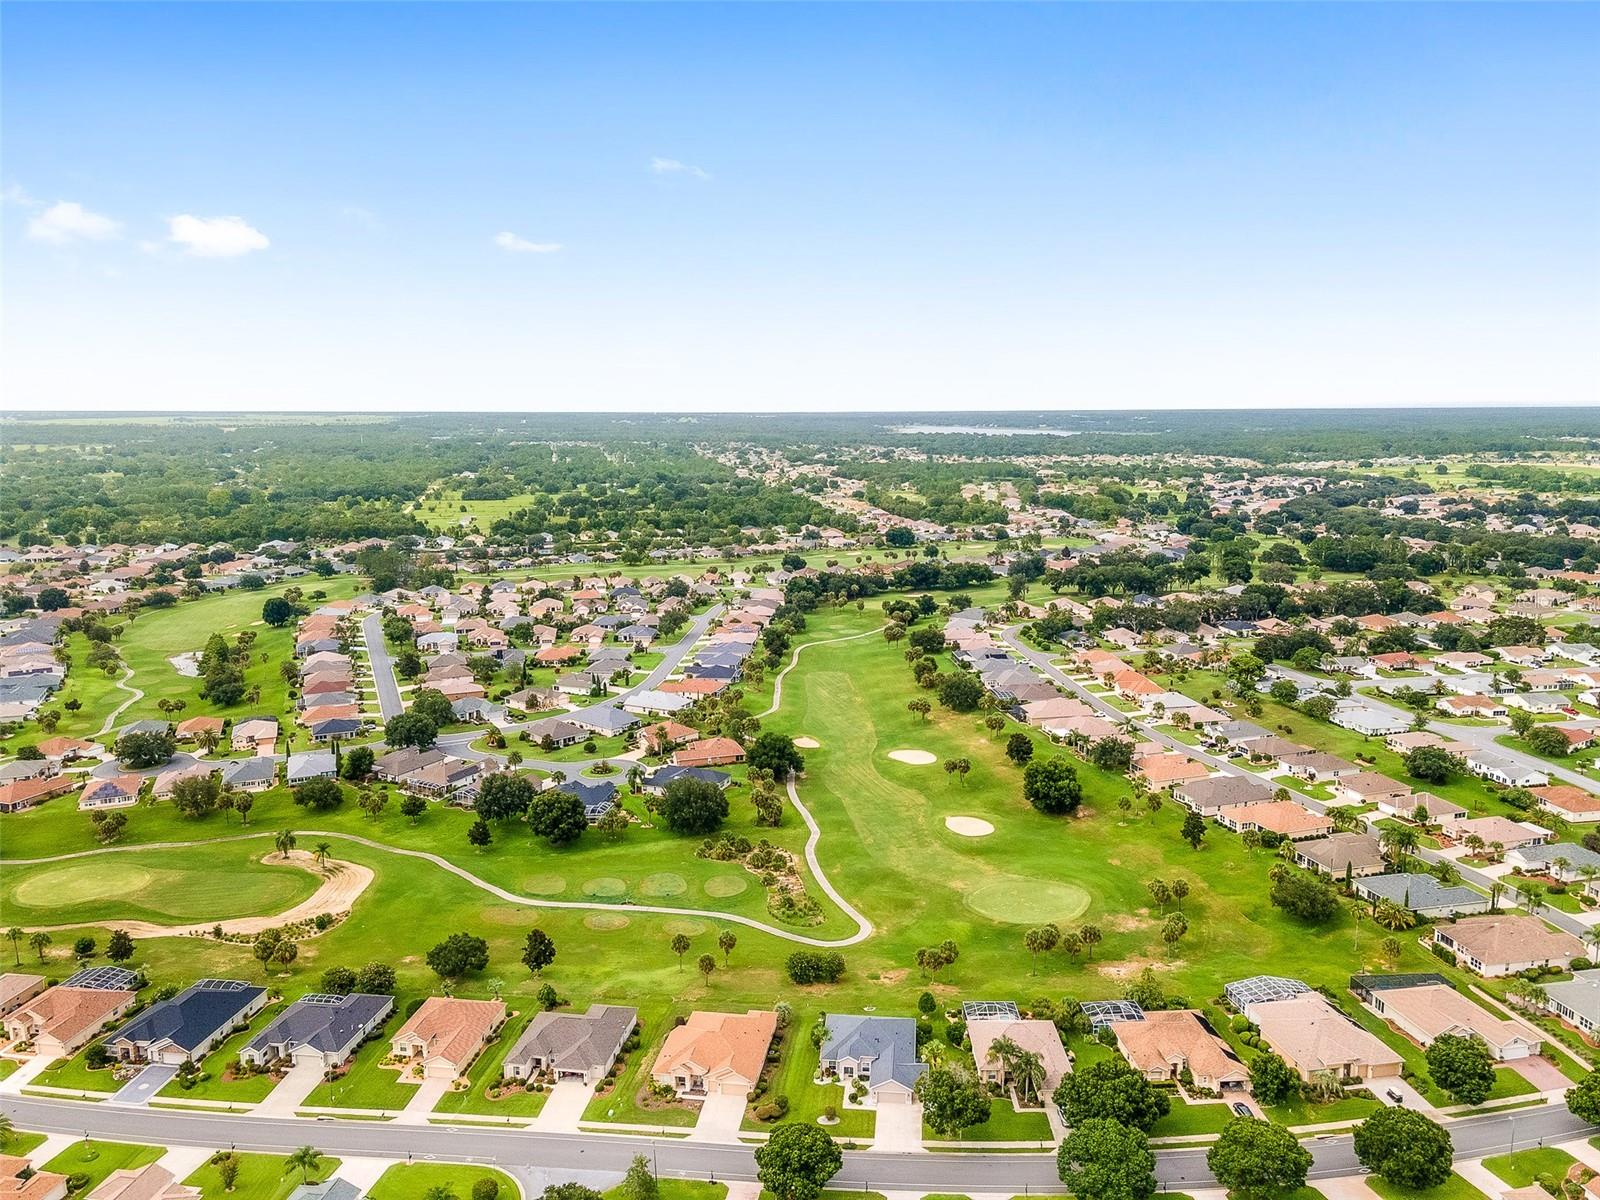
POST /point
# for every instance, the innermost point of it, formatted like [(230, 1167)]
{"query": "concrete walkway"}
[(1480, 1177), (898, 1129), (24, 1075)]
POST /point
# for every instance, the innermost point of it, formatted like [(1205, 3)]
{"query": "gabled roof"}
[(574, 1041), (889, 1044), (193, 1015), (322, 1022)]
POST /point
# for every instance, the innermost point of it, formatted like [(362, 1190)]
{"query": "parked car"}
[(1242, 1109), (1395, 1096)]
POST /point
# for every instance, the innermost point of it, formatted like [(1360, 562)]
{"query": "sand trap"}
[(187, 665), (916, 758), (968, 826), (808, 743)]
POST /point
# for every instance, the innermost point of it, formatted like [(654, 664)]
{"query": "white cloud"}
[(671, 166), (216, 237), (69, 221), (513, 244)]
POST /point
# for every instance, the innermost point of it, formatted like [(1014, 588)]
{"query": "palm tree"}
[(15, 934), (283, 842), (38, 942), (321, 853), (1532, 895), (307, 1158), (1398, 841), (6, 1129), (1392, 916), (1027, 1073)]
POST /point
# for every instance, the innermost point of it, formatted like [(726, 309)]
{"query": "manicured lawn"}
[(1184, 1119), (1005, 1124), (21, 1143), (487, 1070), (1454, 1188), (1303, 1112), (411, 1181), (621, 1103), (7, 1066), (366, 1084), (261, 1177), (797, 1069), (247, 1089), (679, 1189), (1525, 1166), (98, 1160), (74, 1073)]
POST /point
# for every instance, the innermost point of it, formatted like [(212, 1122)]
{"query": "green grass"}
[(1184, 1119), (74, 1073), (98, 1160), (367, 1084), (621, 1103), (794, 1079), (261, 1177), (1301, 1111), (22, 1144), (1005, 1124), (487, 1070), (1524, 1167), (411, 1181), (1454, 1188), (7, 1066), (678, 1189), (246, 1089)]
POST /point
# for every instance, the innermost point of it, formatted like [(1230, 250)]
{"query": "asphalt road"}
[(382, 663), (578, 1152)]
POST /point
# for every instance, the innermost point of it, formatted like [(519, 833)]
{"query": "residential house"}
[(1359, 854), (18, 988), (1034, 1036), (120, 791), (1213, 794), (1435, 809), (190, 1025), (320, 1029), (1429, 1010), (580, 1046), (64, 1019), (708, 752), (1317, 765), (882, 1051), (250, 774), (153, 1182), (1286, 818), (313, 764), (1422, 894), (1486, 764), (442, 1037), (251, 734), (715, 1053), (1166, 1043), (1316, 1039), (1369, 787), (19, 795), (19, 1181), (1497, 831), (1576, 1001), (1574, 803), (1167, 770), (1505, 943)]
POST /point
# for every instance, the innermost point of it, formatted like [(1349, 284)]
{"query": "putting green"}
[(688, 928), (544, 885), (606, 885), (1028, 901), (73, 883), (723, 886), (666, 883), (606, 922)]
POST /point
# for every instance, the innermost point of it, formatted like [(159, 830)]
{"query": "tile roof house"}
[(153, 1182), (320, 1029), (1036, 1037), (444, 1035), (19, 1181), (1504, 944), (18, 988), (19, 795), (1286, 818), (1425, 1012), (1359, 853), (882, 1051), (1167, 1042), (715, 1053), (1368, 787), (1435, 808), (120, 791), (1313, 1037), (1573, 803), (190, 1025), (580, 1046), (1165, 770), (708, 752), (1500, 831), (64, 1019)]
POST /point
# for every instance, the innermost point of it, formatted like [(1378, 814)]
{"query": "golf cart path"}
[(794, 661), (342, 883), (134, 698)]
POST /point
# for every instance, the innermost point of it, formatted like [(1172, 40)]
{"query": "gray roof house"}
[(190, 1025), (328, 1189), (251, 774), (572, 1045), (603, 718), (880, 1050), (1359, 853), (314, 764), (319, 1029), (1576, 1001), (1422, 894)]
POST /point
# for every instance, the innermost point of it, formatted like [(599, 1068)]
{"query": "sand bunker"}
[(808, 743), (916, 758), (968, 826), (187, 665)]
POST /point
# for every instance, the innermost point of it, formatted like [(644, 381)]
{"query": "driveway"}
[(899, 1129), (145, 1084), (565, 1105), (720, 1118), (1541, 1072), (1410, 1097), (291, 1091), (429, 1093)]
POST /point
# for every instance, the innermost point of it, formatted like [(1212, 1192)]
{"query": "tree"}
[(410, 729), (1090, 937), (478, 834), (726, 941), (680, 947), (1051, 785), (693, 806), (376, 978), (1304, 897), (567, 1191), (1173, 929), (39, 942), (796, 1161), (243, 802), (120, 947), (1102, 1159), (144, 749), (502, 796), (639, 1183), (952, 1099), (1431, 764), (1462, 1066), (1405, 1147), (357, 763), (814, 966), (196, 796), (706, 964), (486, 1187), (457, 955), (15, 934), (1110, 1089), (227, 1165), (285, 952), (775, 753), (1180, 891), (1257, 1160), (1584, 1099), (538, 951), (307, 1158), (1019, 748), (557, 816), (919, 706), (1272, 1080), (277, 612), (338, 981), (960, 692), (1040, 940), (1194, 828), (433, 705), (319, 795), (413, 807)]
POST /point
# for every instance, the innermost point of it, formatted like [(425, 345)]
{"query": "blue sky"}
[(748, 207)]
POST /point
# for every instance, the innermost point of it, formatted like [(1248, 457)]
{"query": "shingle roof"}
[(325, 1023), (889, 1043), (574, 1041), (193, 1015)]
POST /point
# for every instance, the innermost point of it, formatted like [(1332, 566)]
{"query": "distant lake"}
[(996, 430)]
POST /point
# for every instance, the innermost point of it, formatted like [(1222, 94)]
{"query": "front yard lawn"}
[(487, 1070), (1184, 1119), (74, 1073), (210, 1084), (261, 1177), (412, 1181), (794, 1079), (1454, 1188), (1005, 1124), (98, 1159), (1524, 1167), (366, 1084)]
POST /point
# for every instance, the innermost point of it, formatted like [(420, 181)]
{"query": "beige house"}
[(1037, 1037), (18, 988), (1504, 943), (1314, 1038), (1430, 1010), (61, 1021), (19, 1180), (445, 1035), (1166, 1043), (153, 1182), (715, 1053)]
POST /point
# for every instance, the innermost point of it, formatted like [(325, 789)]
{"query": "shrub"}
[(815, 966)]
